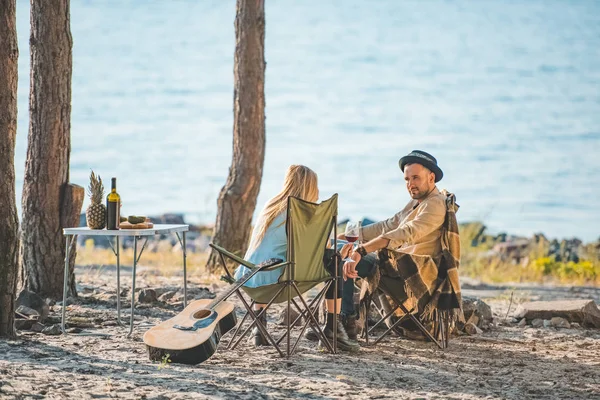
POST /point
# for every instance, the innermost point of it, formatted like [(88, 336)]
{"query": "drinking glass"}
[(351, 234)]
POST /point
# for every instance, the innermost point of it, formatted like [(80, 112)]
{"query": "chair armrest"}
[(232, 256)]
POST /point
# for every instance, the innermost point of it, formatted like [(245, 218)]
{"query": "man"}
[(414, 230)]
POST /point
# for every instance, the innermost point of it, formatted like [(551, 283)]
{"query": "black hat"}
[(425, 159)]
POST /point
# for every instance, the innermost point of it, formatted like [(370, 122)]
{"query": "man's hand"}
[(349, 271), (345, 250)]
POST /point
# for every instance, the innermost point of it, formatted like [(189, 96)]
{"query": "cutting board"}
[(143, 225)]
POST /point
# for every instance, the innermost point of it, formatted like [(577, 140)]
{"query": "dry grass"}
[(476, 262), (164, 263)]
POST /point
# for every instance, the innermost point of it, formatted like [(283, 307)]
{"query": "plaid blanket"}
[(432, 284)]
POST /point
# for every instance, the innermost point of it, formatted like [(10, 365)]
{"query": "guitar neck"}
[(228, 292)]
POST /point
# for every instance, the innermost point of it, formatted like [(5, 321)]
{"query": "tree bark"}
[(237, 199), (9, 220), (49, 148)]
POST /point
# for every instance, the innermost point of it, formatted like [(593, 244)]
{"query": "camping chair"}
[(393, 288), (308, 226)]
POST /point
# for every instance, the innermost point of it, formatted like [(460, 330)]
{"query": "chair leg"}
[(258, 324), (314, 321)]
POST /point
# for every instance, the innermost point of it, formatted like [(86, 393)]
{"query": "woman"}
[(269, 241)]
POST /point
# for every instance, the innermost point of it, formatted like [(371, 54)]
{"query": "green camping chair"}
[(308, 227)]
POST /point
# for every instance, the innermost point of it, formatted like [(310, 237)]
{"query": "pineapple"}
[(95, 214)]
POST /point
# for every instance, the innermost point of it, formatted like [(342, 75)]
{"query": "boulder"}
[(28, 312), (472, 329), (147, 296), (33, 301), (22, 324), (165, 297), (537, 323), (559, 322), (584, 312), (52, 330), (293, 315), (477, 311)]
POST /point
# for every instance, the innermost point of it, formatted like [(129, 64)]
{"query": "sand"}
[(507, 361)]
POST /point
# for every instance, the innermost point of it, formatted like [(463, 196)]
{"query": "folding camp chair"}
[(308, 227), (394, 289)]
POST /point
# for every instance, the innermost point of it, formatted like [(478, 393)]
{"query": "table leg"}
[(66, 283), (133, 284), (184, 273), (118, 253)]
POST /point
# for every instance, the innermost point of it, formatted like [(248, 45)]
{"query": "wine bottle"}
[(113, 203)]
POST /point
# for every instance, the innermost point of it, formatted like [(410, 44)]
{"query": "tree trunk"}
[(9, 220), (237, 199), (48, 149)]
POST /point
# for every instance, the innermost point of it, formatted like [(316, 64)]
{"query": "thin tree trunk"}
[(9, 220), (49, 148), (237, 199)]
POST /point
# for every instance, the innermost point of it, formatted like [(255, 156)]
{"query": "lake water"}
[(506, 94)]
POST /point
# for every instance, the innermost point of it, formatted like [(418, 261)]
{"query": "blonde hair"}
[(301, 182)]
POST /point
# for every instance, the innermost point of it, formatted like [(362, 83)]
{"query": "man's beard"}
[(420, 194)]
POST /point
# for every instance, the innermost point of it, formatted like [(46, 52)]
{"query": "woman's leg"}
[(333, 304)]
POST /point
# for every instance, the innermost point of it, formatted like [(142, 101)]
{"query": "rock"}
[(547, 323), (33, 301), (537, 323), (479, 308), (52, 330), (147, 296), (204, 294), (293, 315), (584, 312), (522, 323), (165, 297), (74, 330), (22, 324), (559, 322), (37, 327), (106, 297), (472, 329), (69, 301), (476, 312), (29, 312)]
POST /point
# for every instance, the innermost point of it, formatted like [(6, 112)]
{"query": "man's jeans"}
[(365, 268)]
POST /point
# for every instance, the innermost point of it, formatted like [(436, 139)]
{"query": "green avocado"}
[(136, 219)]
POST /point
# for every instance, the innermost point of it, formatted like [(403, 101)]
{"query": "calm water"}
[(505, 94)]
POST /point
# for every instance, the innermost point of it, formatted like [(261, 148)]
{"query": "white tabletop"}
[(156, 230)]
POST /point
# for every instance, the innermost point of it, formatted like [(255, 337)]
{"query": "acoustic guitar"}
[(192, 336)]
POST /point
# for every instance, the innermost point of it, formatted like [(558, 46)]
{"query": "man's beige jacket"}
[(414, 230)]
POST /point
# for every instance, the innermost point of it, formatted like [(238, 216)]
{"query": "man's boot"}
[(258, 337), (343, 341), (349, 322)]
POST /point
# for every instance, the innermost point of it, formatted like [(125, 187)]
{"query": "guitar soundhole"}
[(201, 314)]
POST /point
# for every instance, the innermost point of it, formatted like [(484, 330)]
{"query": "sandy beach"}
[(506, 361)]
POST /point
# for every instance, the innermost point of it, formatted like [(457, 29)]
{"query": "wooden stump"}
[(69, 218)]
